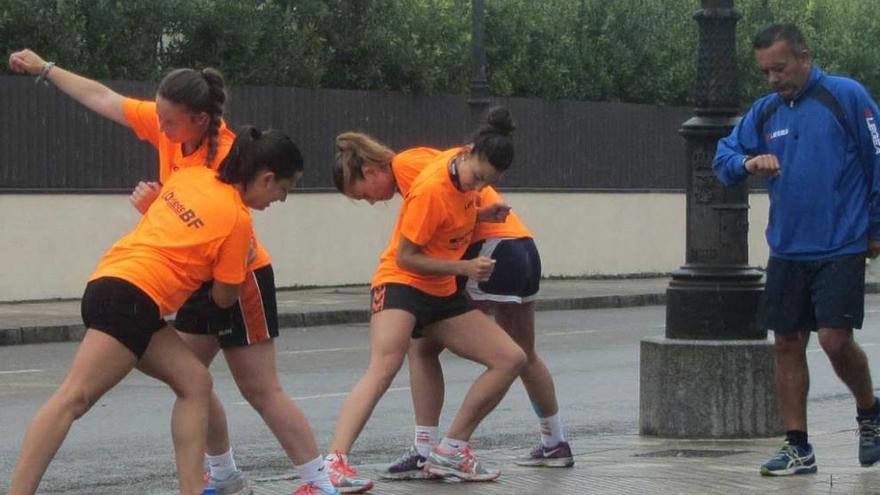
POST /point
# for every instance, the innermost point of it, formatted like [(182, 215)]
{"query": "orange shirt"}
[(439, 218), (144, 120), (197, 230), (512, 226), (407, 165)]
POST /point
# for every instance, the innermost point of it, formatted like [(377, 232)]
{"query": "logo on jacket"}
[(775, 134), (872, 128)]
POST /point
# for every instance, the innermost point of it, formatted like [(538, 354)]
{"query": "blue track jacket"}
[(824, 203)]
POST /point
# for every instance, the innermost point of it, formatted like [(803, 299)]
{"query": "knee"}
[(198, 384), (259, 396), (835, 344), (75, 401), (513, 361), (383, 371), (787, 345)]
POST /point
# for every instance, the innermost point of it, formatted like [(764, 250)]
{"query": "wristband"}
[(44, 73)]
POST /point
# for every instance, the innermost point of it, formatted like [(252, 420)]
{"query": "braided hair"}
[(198, 91)]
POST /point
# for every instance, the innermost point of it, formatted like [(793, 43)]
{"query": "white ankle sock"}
[(221, 466), (426, 438), (452, 444), (551, 430), (315, 472)]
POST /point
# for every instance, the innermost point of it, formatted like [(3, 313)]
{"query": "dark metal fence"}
[(49, 143)]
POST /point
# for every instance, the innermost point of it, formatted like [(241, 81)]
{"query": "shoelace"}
[(790, 452), (406, 455), (868, 431), (470, 460), (341, 466)]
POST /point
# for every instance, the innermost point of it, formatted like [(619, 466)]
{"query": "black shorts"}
[(808, 295), (425, 307), (253, 318), (517, 274), (123, 311)]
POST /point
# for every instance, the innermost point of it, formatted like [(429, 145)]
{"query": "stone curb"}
[(74, 332)]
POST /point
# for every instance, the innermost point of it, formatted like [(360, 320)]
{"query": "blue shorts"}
[(803, 296), (517, 274)]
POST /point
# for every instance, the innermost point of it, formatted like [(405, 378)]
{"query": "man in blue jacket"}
[(815, 140)]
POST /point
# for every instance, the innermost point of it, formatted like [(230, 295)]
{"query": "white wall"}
[(49, 244)]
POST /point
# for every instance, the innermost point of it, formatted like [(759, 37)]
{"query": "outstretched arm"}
[(92, 94)]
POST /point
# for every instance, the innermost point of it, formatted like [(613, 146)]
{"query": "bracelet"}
[(42, 78)]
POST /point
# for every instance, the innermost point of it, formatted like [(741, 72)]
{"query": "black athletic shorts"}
[(253, 318), (123, 311), (808, 295), (425, 307)]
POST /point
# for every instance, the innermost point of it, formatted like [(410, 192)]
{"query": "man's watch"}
[(745, 159)]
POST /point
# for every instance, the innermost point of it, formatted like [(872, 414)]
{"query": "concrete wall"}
[(49, 244)]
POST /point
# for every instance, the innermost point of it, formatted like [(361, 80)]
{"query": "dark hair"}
[(354, 150), (254, 150), (198, 91), (780, 32), (493, 141)]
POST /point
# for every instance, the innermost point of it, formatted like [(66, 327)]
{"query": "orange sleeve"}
[(230, 266), (143, 119), (421, 216)]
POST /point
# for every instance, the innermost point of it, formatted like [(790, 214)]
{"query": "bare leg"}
[(792, 379), (254, 370), (850, 363), (495, 350), (168, 359), (390, 332), (100, 363), (426, 380), (205, 347), (518, 320)]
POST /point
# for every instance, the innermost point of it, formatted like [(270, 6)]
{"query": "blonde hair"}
[(354, 151)]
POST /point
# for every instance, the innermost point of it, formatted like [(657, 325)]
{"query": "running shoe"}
[(556, 456), (409, 466), (344, 477), (235, 484), (869, 441), (461, 464), (311, 489), (789, 460)]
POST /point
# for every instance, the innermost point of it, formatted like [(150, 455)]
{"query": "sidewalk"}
[(631, 464), (59, 321), (637, 465)]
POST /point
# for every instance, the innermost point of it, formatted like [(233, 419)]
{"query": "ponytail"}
[(493, 140), (254, 151)]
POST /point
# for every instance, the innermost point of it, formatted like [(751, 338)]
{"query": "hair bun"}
[(500, 120)]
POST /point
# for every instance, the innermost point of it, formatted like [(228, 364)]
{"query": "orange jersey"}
[(512, 226), (197, 230), (407, 165), (439, 218), (144, 121)]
